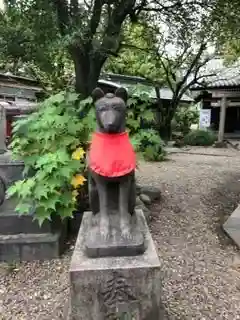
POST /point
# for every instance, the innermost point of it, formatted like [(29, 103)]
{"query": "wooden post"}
[(222, 119)]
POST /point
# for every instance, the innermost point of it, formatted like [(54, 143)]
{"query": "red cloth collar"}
[(111, 155)]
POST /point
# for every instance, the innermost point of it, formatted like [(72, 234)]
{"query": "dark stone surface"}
[(110, 194), (106, 288), (29, 247), (10, 170), (115, 245), (2, 191), (97, 247), (75, 222), (12, 223), (138, 189), (21, 239), (153, 193), (145, 199)]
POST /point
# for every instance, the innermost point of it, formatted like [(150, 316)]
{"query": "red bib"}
[(111, 155)]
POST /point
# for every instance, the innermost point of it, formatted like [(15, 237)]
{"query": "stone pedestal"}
[(115, 288)]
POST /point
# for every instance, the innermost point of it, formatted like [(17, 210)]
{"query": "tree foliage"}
[(227, 29), (182, 71), (88, 32), (172, 55), (141, 126), (184, 118), (30, 44), (137, 55)]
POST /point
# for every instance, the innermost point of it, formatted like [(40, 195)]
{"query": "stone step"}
[(11, 223), (232, 226), (29, 247)]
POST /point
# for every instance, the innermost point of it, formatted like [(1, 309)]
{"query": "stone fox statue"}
[(111, 164)]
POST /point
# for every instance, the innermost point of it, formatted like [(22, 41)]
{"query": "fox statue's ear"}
[(122, 93), (97, 94)]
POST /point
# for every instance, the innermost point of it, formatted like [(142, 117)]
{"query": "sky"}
[(1, 4)]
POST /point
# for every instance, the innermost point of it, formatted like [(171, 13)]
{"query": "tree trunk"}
[(166, 126), (88, 67), (166, 130)]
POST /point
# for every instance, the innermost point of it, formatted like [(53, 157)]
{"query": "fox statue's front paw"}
[(126, 228), (104, 227)]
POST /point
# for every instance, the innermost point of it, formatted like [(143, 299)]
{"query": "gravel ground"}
[(201, 265)]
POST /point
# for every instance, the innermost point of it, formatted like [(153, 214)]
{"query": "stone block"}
[(114, 245), (145, 199), (29, 247), (153, 193), (232, 226), (127, 287), (13, 223), (10, 170)]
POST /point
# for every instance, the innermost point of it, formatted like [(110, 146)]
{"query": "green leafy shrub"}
[(51, 142), (149, 144), (139, 123), (185, 116), (200, 138)]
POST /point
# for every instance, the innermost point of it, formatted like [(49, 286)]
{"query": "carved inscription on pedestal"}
[(118, 301)]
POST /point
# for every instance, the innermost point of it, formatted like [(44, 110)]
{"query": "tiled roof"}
[(225, 76), (143, 85)]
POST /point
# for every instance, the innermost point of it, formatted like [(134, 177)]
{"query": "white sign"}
[(205, 118)]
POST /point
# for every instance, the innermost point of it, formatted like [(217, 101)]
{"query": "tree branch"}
[(87, 5), (131, 46), (74, 8), (166, 69), (137, 10), (61, 7), (181, 59), (171, 68), (110, 42), (193, 64), (96, 16), (194, 81), (159, 9)]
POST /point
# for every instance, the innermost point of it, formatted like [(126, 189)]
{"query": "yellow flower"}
[(78, 154), (78, 180)]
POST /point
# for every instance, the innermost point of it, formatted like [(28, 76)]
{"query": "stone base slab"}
[(232, 226), (29, 247), (115, 245), (115, 288)]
